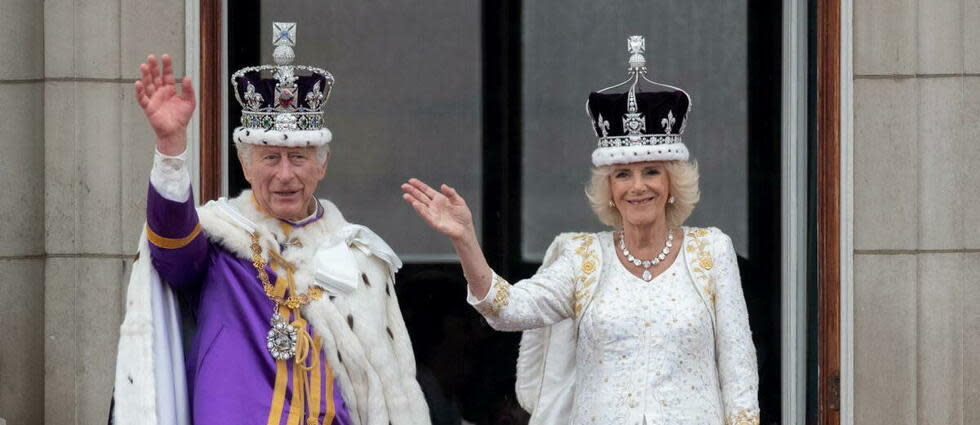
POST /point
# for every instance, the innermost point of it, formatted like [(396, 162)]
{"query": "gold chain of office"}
[(293, 301)]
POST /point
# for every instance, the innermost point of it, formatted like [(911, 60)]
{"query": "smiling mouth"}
[(286, 193), (641, 201)]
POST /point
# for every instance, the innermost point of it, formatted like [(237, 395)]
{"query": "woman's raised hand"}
[(167, 111), (447, 212), (444, 210)]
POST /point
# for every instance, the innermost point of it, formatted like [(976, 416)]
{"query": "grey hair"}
[(245, 152), (683, 187)]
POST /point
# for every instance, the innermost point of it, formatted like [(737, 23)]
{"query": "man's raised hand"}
[(167, 111)]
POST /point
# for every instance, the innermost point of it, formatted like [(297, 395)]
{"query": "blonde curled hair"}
[(683, 176)]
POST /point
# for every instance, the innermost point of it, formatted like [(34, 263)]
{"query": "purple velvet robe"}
[(231, 376)]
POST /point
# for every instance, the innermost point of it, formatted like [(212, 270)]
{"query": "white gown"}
[(647, 352)]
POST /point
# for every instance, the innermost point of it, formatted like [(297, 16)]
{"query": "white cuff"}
[(471, 298), (169, 177)]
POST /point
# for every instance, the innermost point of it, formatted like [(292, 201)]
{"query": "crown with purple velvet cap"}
[(637, 125), (286, 109)]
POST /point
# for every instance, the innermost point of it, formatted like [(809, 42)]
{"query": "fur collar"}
[(234, 233), (364, 335)]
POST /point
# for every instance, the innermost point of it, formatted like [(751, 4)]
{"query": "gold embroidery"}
[(743, 417), (588, 266), (698, 232), (583, 292), (583, 295), (500, 297), (704, 262)]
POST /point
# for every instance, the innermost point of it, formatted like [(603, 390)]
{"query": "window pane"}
[(406, 103), (573, 47)]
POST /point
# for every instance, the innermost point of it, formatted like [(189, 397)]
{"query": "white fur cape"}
[(366, 343)]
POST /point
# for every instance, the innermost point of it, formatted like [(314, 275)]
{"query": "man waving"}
[(297, 320)]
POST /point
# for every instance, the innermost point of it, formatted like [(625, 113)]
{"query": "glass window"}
[(406, 102)]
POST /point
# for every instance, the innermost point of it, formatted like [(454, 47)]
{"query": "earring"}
[(670, 200), (611, 204)]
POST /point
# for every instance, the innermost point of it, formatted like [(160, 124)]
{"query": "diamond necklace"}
[(646, 264)]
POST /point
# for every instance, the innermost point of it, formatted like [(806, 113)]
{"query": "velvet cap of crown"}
[(636, 125), (286, 109)]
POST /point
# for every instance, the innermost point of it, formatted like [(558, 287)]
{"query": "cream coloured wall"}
[(74, 169), (916, 212), (98, 153), (21, 207)]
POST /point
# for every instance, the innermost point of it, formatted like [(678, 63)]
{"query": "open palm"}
[(167, 111), (444, 210)]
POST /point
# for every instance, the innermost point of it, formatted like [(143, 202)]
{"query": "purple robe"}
[(232, 378)]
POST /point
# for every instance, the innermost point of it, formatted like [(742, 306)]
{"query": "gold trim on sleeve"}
[(171, 243), (500, 296), (743, 417)]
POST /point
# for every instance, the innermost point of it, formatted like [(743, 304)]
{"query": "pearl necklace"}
[(646, 264)]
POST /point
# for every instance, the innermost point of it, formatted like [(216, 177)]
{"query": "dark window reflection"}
[(465, 368)]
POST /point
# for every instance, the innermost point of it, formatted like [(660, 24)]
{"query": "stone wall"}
[(917, 212), (21, 212), (74, 166)]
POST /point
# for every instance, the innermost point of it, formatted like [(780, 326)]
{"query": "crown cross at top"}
[(284, 38), (636, 46), (284, 34)]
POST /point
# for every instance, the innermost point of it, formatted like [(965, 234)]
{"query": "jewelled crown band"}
[(637, 125), (287, 109)]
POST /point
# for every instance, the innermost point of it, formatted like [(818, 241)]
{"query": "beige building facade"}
[(916, 212), (75, 165), (76, 153)]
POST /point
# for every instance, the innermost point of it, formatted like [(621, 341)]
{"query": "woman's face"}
[(640, 191)]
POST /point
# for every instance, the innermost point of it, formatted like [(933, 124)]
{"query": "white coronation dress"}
[(646, 352)]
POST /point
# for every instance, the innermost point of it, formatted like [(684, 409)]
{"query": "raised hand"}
[(167, 111), (444, 210)]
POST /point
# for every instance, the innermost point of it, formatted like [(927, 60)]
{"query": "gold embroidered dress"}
[(676, 350)]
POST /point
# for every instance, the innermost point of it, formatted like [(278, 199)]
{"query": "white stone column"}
[(97, 155), (917, 212), (21, 212)]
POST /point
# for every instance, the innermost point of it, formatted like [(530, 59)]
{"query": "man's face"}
[(283, 179)]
